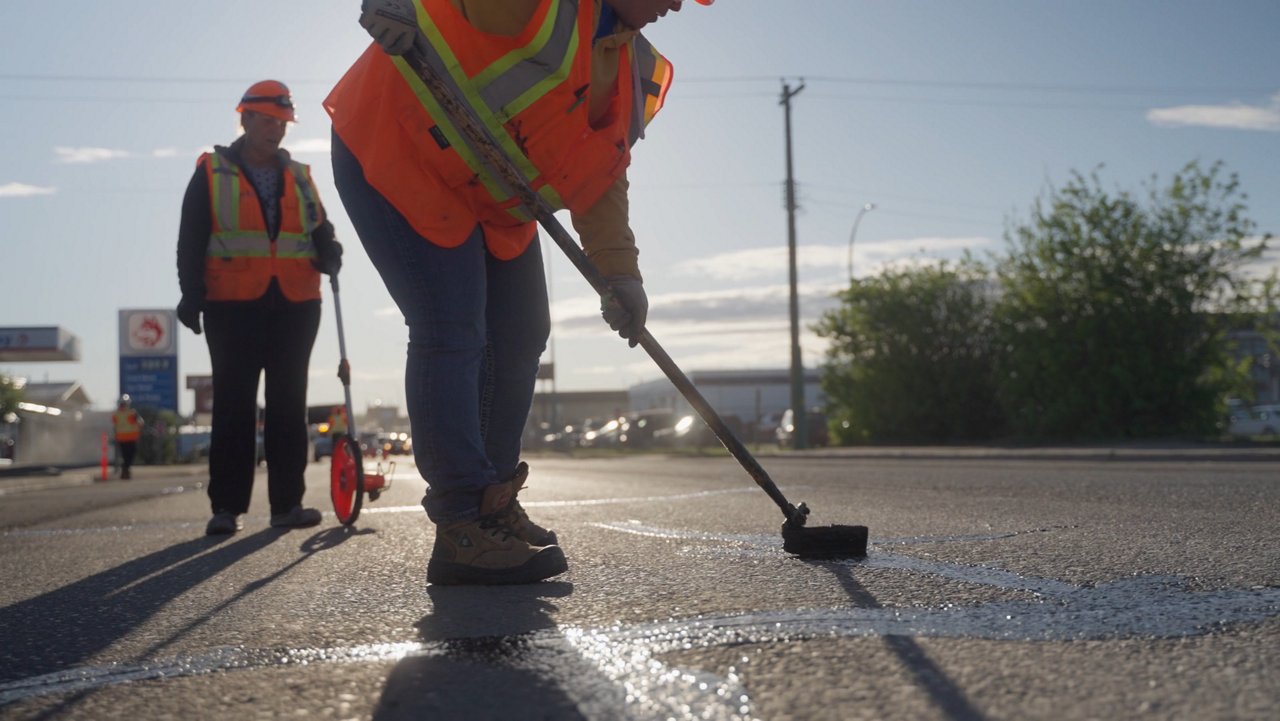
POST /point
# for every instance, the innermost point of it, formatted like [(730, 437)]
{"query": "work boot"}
[(486, 551), (223, 523), (515, 516)]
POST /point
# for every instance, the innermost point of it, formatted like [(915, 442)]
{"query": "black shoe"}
[(223, 523)]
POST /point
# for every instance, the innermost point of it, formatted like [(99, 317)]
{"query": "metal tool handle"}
[(344, 368), (492, 155)]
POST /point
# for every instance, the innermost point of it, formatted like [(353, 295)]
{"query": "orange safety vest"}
[(416, 159), (242, 258), (338, 422), (126, 425)]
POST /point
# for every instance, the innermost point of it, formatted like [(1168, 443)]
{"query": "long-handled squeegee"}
[(819, 542)]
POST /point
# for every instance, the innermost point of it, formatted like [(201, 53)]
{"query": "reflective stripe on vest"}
[(516, 81), (235, 236)]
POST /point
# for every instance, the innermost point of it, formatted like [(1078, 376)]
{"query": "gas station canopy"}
[(48, 343)]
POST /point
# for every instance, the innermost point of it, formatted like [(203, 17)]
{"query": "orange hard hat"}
[(269, 97), (705, 2)]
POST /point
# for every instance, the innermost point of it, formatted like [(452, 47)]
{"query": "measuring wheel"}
[(346, 480)]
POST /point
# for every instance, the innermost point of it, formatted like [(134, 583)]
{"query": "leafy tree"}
[(1114, 308), (910, 357), (158, 444), (10, 395)]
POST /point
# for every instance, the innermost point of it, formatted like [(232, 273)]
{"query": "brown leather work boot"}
[(515, 516), (486, 551)]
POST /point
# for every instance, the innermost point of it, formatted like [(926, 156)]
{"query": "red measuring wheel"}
[(346, 480)]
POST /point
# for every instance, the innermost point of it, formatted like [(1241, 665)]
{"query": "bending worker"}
[(252, 242), (567, 86), (127, 425)]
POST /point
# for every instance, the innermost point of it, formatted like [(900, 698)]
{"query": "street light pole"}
[(854, 233)]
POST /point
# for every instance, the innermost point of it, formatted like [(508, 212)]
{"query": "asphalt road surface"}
[(994, 588)]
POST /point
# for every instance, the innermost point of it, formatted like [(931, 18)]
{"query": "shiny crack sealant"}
[(615, 671)]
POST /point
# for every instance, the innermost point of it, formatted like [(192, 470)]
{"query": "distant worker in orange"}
[(127, 425), (252, 243), (567, 88), (338, 423)]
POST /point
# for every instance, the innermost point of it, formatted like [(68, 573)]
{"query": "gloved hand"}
[(189, 313), (392, 23), (329, 258), (628, 316)]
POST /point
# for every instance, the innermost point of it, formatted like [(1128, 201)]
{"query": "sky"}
[(951, 117)]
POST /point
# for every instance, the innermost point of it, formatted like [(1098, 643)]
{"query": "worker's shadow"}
[(62, 628), (481, 658)]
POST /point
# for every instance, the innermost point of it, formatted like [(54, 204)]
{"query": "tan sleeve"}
[(606, 235)]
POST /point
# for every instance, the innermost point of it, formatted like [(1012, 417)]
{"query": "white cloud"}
[(756, 263), (1232, 116), (88, 155), (164, 153), (702, 314), (22, 190), (309, 146)]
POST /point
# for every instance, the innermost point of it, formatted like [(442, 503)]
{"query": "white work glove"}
[(392, 23), (628, 313)]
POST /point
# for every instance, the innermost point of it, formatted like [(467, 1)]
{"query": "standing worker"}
[(127, 425), (567, 87), (253, 241)]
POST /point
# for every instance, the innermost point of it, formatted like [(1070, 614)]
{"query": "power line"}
[(1084, 88)]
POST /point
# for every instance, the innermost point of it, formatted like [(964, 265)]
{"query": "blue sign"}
[(150, 381)]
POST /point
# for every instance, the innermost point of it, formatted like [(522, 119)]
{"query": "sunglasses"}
[(282, 101)]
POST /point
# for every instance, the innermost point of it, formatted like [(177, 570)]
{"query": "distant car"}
[(1261, 420), (817, 427), (641, 430), (323, 446)]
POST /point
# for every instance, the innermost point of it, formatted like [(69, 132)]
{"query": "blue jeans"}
[(477, 326)]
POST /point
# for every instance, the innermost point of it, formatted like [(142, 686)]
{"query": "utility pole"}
[(799, 413)]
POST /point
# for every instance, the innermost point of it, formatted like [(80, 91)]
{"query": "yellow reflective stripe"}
[(308, 197), (455, 138), (465, 87), (226, 191)]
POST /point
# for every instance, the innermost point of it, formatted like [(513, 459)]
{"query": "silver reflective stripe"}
[(293, 245), (237, 244), (546, 67)]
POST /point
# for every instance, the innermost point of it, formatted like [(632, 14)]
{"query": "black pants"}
[(126, 450), (246, 340)]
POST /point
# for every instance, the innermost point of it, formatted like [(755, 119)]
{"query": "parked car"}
[(817, 429), (323, 446), (1261, 420), (642, 429)]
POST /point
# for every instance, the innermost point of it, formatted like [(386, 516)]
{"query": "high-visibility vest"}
[(242, 258), (126, 425), (416, 159), (338, 422)]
